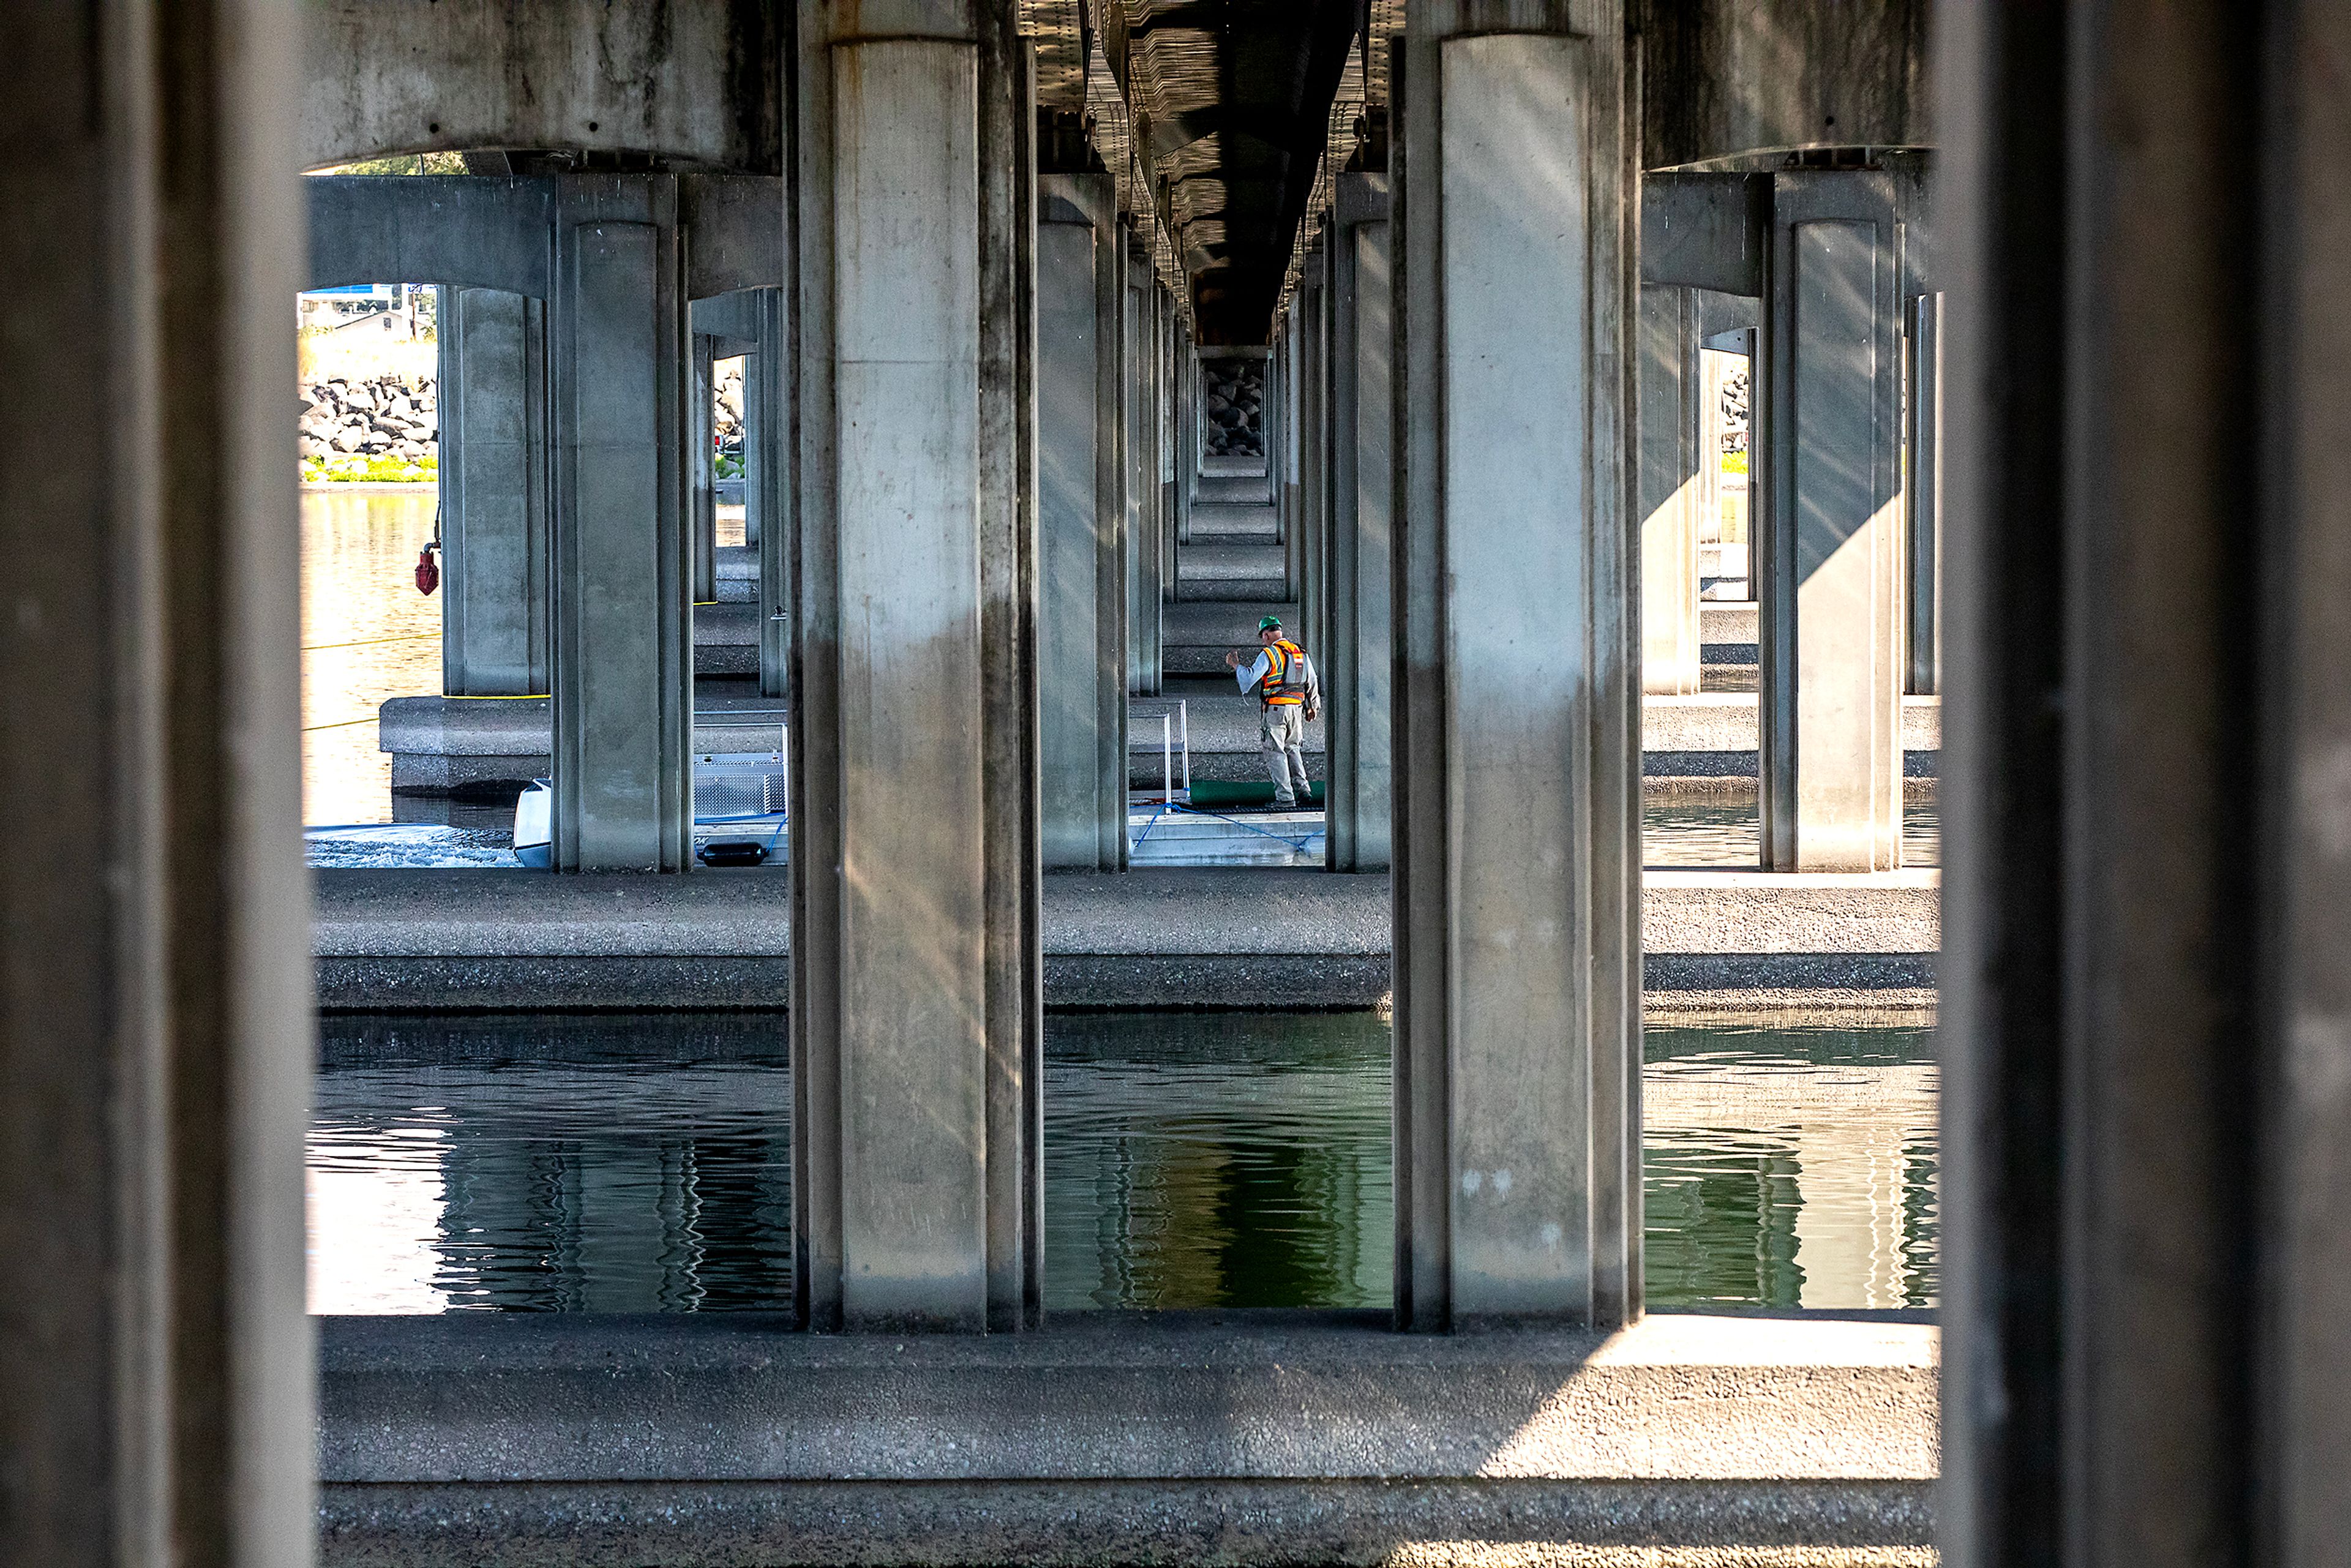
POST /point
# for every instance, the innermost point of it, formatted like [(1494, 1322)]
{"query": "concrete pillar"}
[(1137, 353), (2148, 782), (1165, 445), (622, 663), (1830, 579), (1188, 441), (1672, 472), (751, 322), (1922, 490), (916, 1014), (1355, 664), (495, 486), (1517, 945), (1291, 354), (768, 478), (1314, 451), (156, 1387), (702, 468), (1081, 590)]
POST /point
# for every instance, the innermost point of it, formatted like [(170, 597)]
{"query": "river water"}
[(367, 634), (644, 1164)]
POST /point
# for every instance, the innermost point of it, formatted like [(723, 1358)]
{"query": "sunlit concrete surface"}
[(1264, 1440)]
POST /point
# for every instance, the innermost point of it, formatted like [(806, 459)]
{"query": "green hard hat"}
[(1270, 624)]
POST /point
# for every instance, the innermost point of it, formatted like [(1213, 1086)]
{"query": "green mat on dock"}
[(1210, 795)]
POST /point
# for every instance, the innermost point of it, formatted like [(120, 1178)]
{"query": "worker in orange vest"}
[(1284, 680)]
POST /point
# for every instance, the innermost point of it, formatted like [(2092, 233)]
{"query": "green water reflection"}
[(1191, 1160)]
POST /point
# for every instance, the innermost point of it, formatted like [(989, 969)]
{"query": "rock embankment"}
[(1235, 403), (393, 417), (381, 416)]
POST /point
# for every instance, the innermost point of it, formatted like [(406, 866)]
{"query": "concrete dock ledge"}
[(1205, 937), (1293, 1438)]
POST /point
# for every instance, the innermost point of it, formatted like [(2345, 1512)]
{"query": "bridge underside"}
[(1079, 335)]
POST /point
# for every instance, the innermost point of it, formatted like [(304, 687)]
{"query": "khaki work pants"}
[(1282, 740)]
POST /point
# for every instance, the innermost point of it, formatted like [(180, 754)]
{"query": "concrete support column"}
[(2148, 872), (1081, 590), (1831, 584), (1138, 351), (1672, 472), (1517, 741), (1314, 548), (156, 1388), (1922, 490), (623, 662), (1291, 354), (1355, 664), (768, 385), (1165, 443), (1187, 440), (495, 486), (702, 469), (751, 322), (916, 1005)]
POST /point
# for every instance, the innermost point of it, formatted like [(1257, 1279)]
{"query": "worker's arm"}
[(1249, 677)]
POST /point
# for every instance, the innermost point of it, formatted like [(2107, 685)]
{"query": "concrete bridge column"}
[(1138, 385), (1517, 955), (1082, 589), (1291, 354), (1831, 584), (1312, 308), (623, 661), (1922, 491), (750, 322), (1187, 437), (158, 1384), (2148, 872), (1673, 467), (1168, 445), (916, 971), (495, 493), (768, 478), (1356, 661), (702, 462)]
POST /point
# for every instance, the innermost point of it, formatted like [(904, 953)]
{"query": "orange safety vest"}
[(1284, 684)]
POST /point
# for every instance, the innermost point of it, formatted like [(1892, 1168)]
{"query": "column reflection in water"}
[(1192, 1160), (1216, 1160), (1791, 1164)]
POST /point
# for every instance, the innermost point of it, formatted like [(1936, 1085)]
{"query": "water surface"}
[(643, 1164), (367, 634)]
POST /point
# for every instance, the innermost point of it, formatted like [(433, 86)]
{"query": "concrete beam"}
[(1517, 868), (689, 86), (1706, 231), (1724, 78), (915, 968), (476, 231), (156, 1391)]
